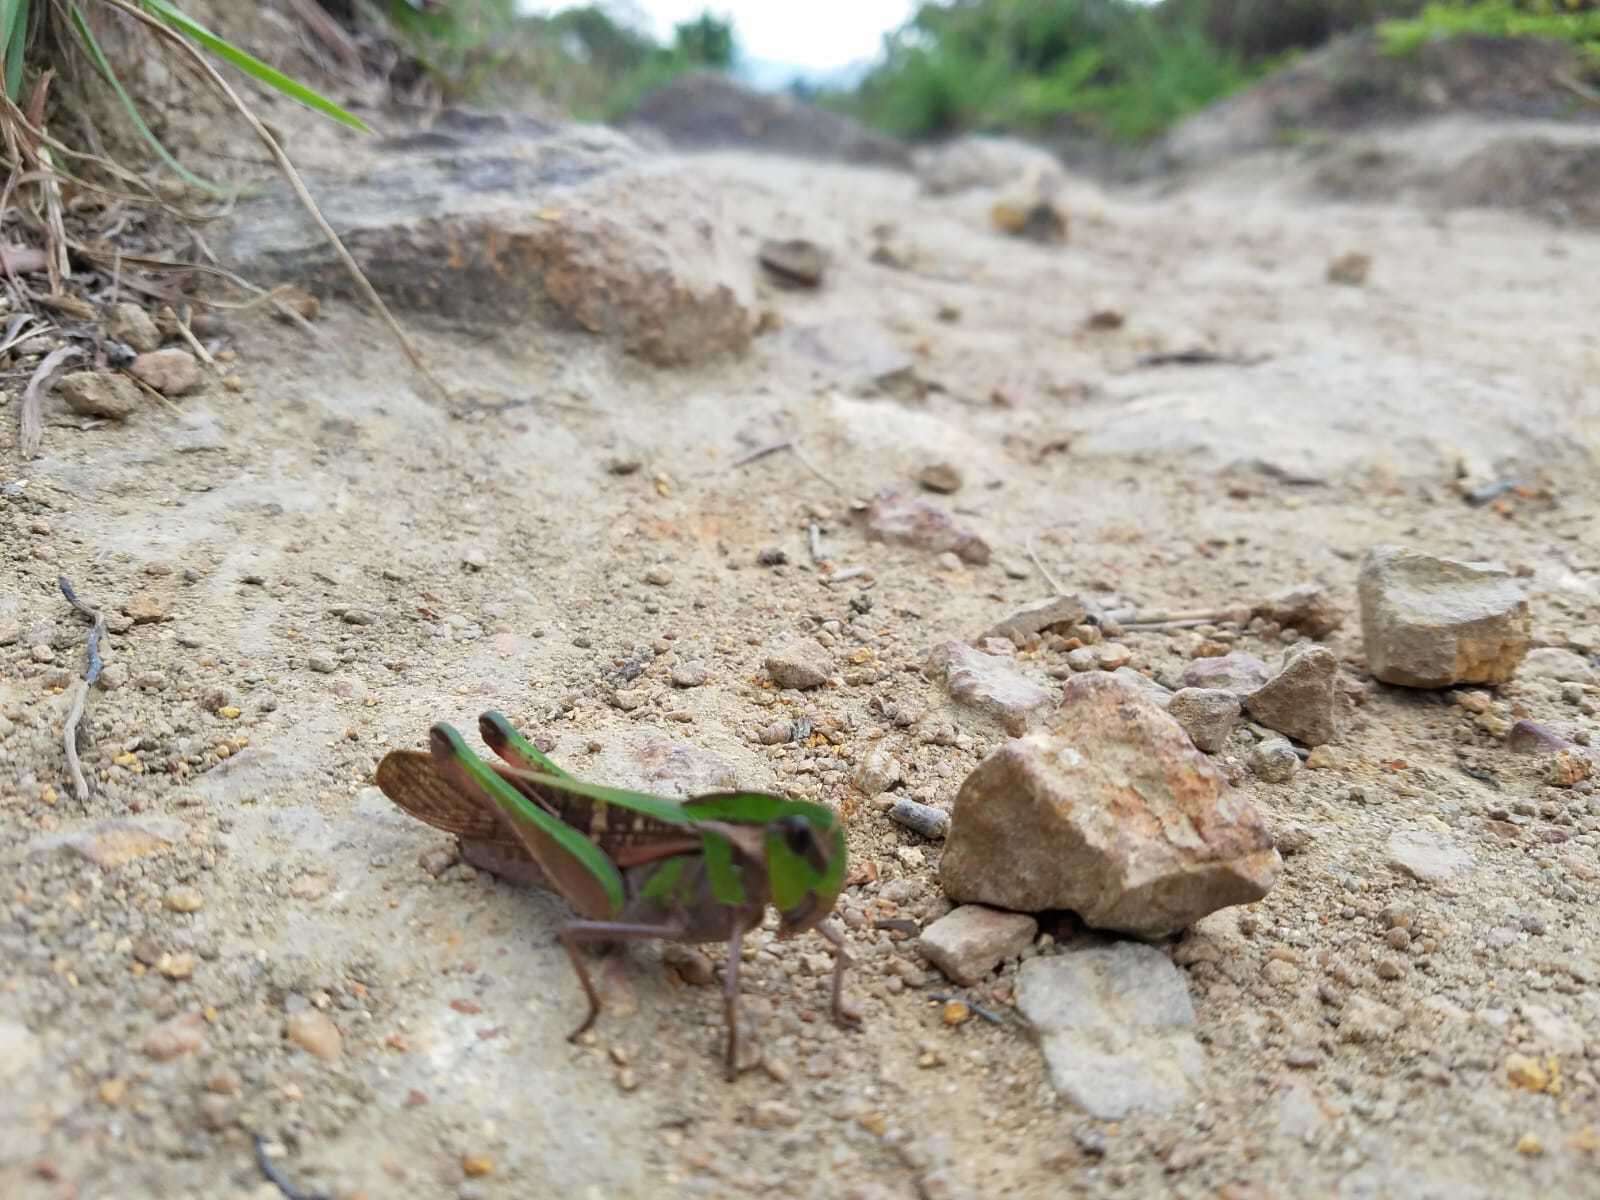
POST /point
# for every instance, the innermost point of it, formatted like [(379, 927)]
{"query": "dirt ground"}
[(324, 561)]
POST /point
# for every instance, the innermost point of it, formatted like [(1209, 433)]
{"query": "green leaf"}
[(570, 841), (253, 66), (726, 885), (14, 31)]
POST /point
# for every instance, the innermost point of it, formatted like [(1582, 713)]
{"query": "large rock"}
[(1111, 812), (709, 111), (502, 222), (1301, 700), (1432, 622), (1114, 1023), (989, 684)]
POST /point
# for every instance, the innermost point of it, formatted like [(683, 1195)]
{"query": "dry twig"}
[(80, 690), (32, 425)]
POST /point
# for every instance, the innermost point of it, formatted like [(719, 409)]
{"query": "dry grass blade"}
[(302, 193), (80, 690), (31, 432)]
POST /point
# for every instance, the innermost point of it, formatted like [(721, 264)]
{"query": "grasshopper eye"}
[(797, 836)]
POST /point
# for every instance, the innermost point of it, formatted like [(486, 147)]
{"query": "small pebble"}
[(1274, 760), (323, 664), (690, 675), (476, 1166), (184, 899), (658, 576)]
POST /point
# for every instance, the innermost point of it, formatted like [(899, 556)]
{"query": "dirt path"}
[(335, 563)]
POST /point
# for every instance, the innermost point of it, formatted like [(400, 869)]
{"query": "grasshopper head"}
[(805, 867)]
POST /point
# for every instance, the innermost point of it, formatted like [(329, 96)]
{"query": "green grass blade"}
[(253, 66), (103, 65), (14, 29)]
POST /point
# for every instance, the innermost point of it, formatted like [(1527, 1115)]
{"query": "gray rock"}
[(989, 684), (932, 823), (910, 521), (100, 394), (1208, 716), (1111, 812), (971, 941), (130, 324), (1274, 760), (1056, 612), (1301, 699), (690, 675), (1431, 622), (1428, 856), (1529, 737), (1114, 1023), (532, 224), (800, 663), (1238, 672), (1552, 662)]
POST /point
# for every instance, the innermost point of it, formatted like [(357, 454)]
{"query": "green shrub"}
[(1573, 21)]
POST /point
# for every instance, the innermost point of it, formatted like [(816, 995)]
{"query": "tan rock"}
[(171, 372), (909, 521), (971, 941), (100, 394), (1301, 699), (1431, 622), (1111, 812), (314, 1032)]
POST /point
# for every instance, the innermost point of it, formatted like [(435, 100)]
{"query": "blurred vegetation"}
[(1127, 70), (589, 60), (1115, 69), (1574, 21)]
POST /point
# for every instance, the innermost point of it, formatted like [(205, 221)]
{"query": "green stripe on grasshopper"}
[(502, 737), (663, 883), (521, 811)]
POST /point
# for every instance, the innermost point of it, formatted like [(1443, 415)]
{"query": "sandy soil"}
[(336, 562)]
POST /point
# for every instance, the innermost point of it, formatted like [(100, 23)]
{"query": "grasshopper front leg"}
[(576, 932)]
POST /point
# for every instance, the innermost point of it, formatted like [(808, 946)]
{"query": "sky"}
[(818, 35)]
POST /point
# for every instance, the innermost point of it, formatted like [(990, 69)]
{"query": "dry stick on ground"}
[(302, 193), (80, 690), (31, 432), (1033, 555), (275, 1177)]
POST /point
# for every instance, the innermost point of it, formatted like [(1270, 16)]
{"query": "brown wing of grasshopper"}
[(410, 780)]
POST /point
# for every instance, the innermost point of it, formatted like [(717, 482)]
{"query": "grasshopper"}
[(633, 866)]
